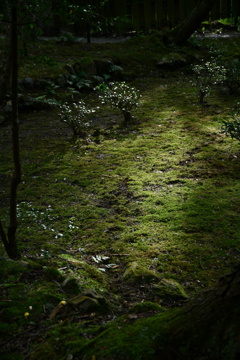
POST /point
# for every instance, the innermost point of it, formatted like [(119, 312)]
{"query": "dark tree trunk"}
[(16, 177), (185, 29), (128, 118), (57, 23), (208, 328), (5, 76), (9, 240), (88, 33)]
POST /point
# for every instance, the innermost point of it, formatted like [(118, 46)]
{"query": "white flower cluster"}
[(208, 74), (120, 95), (211, 71), (75, 116)]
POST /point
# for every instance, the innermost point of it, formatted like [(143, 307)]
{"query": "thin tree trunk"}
[(88, 33), (128, 118), (9, 240), (183, 31), (56, 19), (5, 67), (16, 178)]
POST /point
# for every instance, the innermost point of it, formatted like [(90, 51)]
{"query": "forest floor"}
[(126, 222)]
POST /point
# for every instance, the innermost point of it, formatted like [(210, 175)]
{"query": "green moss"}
[(136, 273), (169, 288), (42, 353), (163, 193), (9, 268), (52, 274), (138, 340), (145, 307)]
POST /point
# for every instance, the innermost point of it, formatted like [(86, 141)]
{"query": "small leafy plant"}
[(120, 95), (232, 127), (80, 81), (208, 74), (76, 116)]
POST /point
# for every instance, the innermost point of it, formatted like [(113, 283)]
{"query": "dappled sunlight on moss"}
[(162, 193)]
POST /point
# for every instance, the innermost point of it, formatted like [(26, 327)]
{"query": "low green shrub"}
[(207, 74), (120, 95), (76, 116)]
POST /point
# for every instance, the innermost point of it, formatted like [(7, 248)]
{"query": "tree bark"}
[(16, 177), (185, 29), (5, 76), (208, 327), (56, 19), (9, 240)]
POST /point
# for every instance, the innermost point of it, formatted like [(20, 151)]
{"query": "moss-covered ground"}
[(162, 192)]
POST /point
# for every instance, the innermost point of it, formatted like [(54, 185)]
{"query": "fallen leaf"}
[(132, 316)]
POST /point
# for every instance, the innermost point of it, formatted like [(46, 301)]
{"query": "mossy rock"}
[(11, 268), (146, 306), (170, 288), (52, 274), (136, 273), (30, 264), (89, 301), (71, 285)]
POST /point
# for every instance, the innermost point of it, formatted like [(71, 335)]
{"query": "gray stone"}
[(28, 83)]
